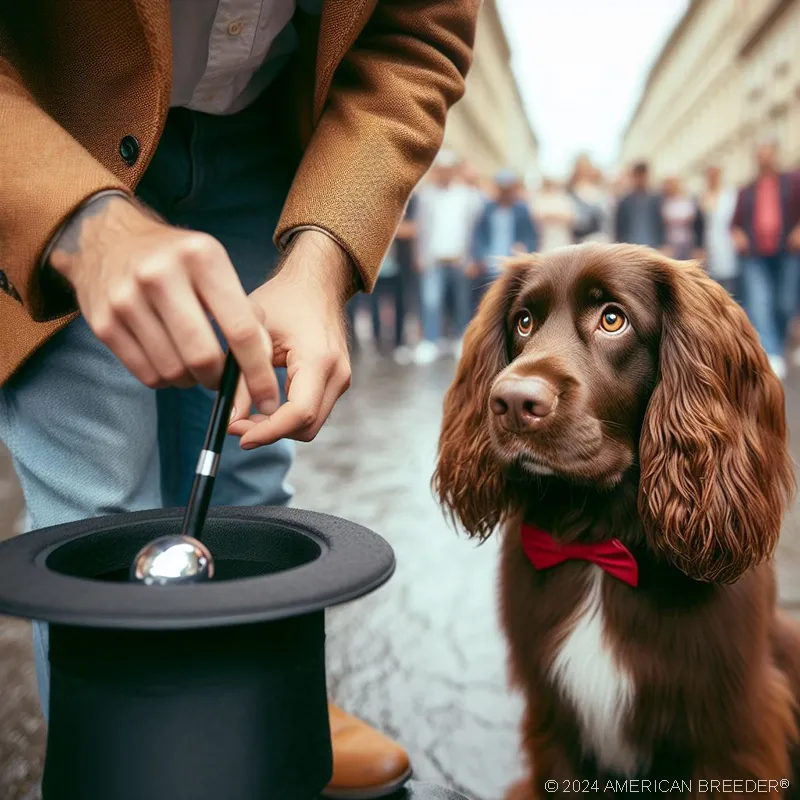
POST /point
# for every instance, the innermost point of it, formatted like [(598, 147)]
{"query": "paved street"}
[(422, 658)]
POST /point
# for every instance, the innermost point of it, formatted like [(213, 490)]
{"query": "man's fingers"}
[(222, 293), (189, 328), (242, 426), (298, 414), (314, 389), (261, 315), (242, 403), (132, 309), (125, 347)]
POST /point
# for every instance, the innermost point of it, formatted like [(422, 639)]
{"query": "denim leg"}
[(461, 289), (432, 286), (390, 287), (758, 283), (399, 296), (350, 313), (788, 290), (82, 434), (375, 309)]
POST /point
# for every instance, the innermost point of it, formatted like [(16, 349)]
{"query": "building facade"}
[(489, 126), (728, 76)]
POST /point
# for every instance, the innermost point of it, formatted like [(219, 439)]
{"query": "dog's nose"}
[(523, 402)]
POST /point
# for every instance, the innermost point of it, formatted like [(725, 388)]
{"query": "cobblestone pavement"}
[(422, 658)]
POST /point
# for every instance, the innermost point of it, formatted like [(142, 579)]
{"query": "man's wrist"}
[(313, 255), (67, 239)]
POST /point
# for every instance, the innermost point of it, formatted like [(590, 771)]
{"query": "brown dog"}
[(614, 410)]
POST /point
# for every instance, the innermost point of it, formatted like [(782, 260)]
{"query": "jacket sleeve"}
[(34, 201), (382, 126)]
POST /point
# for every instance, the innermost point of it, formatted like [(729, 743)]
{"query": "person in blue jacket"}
[(504, 228)]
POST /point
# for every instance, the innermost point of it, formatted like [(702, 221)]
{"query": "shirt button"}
[(129, 149), (235, 27)]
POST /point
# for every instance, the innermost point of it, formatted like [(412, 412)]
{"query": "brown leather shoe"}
[(366, 764)]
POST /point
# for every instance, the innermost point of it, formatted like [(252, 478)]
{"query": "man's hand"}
[(740, 241), (303, 311), (146, 289)]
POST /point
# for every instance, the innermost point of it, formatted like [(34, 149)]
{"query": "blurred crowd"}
[(460, 227)]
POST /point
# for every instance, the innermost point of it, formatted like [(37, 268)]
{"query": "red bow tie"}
[(612, 556)]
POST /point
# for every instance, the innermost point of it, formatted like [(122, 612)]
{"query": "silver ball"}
[(172, 560)]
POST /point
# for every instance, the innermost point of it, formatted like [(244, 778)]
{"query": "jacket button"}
[(129, 149)]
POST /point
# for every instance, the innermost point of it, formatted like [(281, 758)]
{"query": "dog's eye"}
[(524, 323), (613, 320)]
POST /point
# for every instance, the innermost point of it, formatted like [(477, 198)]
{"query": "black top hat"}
[(195, 692)]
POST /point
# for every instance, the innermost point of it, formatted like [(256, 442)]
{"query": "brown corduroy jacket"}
[(370, 87)]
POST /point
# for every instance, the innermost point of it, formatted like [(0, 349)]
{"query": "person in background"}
[(405, 253), (586, 190), (766, 235), (470, 177), (554, 213), (389, 284), (717, 204), (504, 228), (638, 217), (393, 278), (445, 218), (616, 188), (683, 223)]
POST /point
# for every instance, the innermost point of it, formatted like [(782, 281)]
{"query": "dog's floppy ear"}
[(468, 480), (716, 475)]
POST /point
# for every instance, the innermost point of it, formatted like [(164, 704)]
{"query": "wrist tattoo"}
[(68, 240)]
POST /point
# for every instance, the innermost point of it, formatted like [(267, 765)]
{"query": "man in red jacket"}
[(766, 233)]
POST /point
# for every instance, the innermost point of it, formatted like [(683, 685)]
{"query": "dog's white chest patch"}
[(601, 693)]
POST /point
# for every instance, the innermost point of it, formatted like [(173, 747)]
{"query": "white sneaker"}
[(426, 353), (778, 364), (403, 355)]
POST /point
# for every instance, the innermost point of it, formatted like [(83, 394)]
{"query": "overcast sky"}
[(581, 65)]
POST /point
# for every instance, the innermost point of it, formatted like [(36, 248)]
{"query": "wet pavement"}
[(422, 658)]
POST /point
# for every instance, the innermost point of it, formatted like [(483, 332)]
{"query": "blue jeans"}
[(86, 437), (393, 287), (435, 283), (771, 293)]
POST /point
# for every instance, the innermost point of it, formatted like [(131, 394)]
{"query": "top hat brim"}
[(315, 561)]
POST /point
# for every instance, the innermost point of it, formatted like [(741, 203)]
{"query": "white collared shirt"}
[(226, 52)]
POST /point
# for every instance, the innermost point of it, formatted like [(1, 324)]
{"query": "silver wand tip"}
[(172, 560)]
